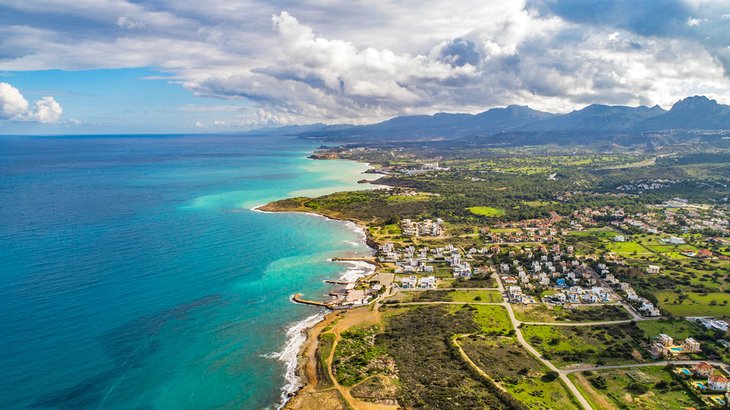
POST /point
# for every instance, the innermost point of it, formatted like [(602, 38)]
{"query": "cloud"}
[(458, 52), (362, 61), (693, 22), (12, 103), (14, 107), (697, 21), (46, 110)]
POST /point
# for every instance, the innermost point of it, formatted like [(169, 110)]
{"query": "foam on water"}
[(289, 355), (132, 277)]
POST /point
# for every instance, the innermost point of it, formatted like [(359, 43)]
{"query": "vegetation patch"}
[(324, 349), (543, 313), (677, 329), (487, 211), (432, 375), (695, 304), (644, 388), (376, 389), (586, 344), (492, 320), (357, 357), (518, 372), (490, 296)]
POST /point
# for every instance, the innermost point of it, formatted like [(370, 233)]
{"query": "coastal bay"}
[(177, 296)]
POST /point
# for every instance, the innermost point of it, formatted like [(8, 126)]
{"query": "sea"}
[(134, 273)]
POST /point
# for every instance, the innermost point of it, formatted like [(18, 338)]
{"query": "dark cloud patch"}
[(459, 52), (648, 18), (707, 25)]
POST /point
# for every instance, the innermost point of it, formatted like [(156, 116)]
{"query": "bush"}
[(550, 376), (637, 388), (598, 382)]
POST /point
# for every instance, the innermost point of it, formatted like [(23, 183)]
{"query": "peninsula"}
[(511, 277)]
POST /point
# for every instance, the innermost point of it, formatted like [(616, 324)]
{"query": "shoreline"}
[(300, 334)]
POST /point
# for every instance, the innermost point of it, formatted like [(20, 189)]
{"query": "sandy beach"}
[(301, 374)]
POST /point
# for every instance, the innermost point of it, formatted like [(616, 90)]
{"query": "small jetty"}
[(368, 260), (298, 298), (337, 282)]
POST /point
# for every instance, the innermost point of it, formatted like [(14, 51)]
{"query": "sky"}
[(156, 66)]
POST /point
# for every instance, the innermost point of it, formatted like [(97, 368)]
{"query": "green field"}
[(491, 296), (600, 344), (602, 233), (646, 388), (541, 313), (486, 211), (492, 320), (695, 304), (628, 249), (677, 329), (516, 370)]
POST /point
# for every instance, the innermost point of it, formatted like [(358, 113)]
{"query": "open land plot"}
[(475, 282), (487, 211), (628, 248), (517, 371), (491, 296), (614, 344), (677, 329), (645, 388), (695, 304), (490, 320), (430, 374), (357, 356), (543, 313), (600, 233)]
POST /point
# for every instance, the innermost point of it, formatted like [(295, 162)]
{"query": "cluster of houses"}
[(714, 324), (715, 382), (350, 295), (665, 346), (646, 185), (412, 260), (668, 219), (540, 230), (576, 283), (424, 169), (515, 295), (422, 228), (413, 282), (643, 305)]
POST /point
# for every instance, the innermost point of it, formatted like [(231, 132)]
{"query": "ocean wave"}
[(289, 355), (356, 270)]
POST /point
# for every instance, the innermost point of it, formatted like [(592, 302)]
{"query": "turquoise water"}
[(134, 275)]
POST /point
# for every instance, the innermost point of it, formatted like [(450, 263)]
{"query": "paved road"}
[(602, 323), (421, 290), (722, 365), (520, 338), (439, 302)]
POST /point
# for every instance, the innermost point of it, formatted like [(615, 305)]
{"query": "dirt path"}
[(309, 368), (600, 400), (356, 317), (520, 338), (568, 324), (473, 365)]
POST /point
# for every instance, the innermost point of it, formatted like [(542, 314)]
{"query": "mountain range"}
[(498, 124)]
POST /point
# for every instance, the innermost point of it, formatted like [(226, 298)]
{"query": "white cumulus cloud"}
[(12, 103), (13, 106), (47, 109)]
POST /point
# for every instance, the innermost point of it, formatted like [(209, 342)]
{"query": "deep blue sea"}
[(133, 274)]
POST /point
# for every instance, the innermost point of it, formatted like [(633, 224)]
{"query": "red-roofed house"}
[(702, 369), (718, 382)]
